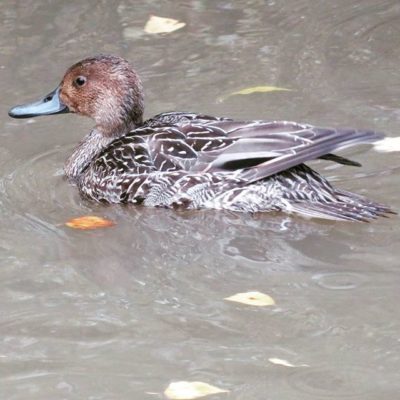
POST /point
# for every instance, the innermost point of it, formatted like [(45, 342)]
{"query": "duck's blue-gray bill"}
[(50, 104)]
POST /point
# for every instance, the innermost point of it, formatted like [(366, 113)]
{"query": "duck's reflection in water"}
[(150, 246)]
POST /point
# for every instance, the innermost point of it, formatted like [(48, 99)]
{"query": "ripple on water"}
[(269, 238), (334, 382), (339, 280), (38, 183), (36, 198), (35, 201)]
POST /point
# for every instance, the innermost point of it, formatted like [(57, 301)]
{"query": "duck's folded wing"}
[(279, 145), (324, 142), (258, 149)]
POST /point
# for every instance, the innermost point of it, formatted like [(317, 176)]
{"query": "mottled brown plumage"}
[(190, 160)]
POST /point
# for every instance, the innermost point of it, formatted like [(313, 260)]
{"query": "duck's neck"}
[(90, 147)]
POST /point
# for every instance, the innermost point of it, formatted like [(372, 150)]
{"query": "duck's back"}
[(197, 161)]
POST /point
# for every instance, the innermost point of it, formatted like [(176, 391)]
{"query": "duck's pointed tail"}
[(348, 207)]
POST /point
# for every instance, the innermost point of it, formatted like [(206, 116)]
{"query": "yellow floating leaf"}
[(255, 89), (190, 390), (279, 361), (162, 25), (252, 298), (89, 222)]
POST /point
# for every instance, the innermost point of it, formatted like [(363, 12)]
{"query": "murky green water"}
[(117, 313)]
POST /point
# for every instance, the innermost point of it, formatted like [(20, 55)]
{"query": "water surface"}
[(118, 313)]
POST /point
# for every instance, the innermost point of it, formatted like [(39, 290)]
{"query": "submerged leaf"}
[(252, 298), (162, 25), (255, 89), (89, 222), (184, 390)]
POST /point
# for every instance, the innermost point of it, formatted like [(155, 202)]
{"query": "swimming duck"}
[(189, 160)]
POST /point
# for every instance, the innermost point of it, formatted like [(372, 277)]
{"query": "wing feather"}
[(327, 142), (258, 148)]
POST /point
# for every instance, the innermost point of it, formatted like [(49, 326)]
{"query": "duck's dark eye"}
[(80, 81)]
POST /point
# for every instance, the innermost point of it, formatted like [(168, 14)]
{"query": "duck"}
[(186, 160)]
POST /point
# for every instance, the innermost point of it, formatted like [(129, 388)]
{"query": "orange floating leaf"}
[(89, 222)]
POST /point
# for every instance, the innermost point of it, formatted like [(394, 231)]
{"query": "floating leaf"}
[(190, 390), (279, 361), (252, 298), (388, 144), (89, 222), (255, 89), (162, 25)]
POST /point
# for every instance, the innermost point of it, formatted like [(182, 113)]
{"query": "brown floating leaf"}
[(184, 390), (162, 25), (255, 89), (252, 299), (89, 222)]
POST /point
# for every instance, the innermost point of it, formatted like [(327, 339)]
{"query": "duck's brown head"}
[(105, 88)]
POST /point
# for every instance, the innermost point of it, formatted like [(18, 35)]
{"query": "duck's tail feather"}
[(348, 207), (340, 160)]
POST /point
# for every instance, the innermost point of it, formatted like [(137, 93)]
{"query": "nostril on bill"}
[(48, 98)]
